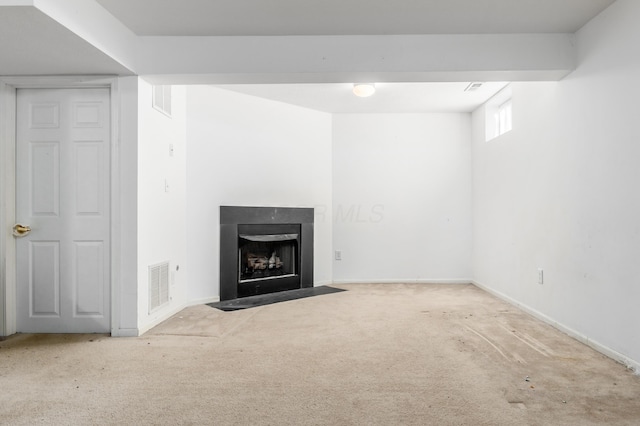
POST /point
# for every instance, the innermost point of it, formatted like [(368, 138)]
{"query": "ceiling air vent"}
[(473, 86)]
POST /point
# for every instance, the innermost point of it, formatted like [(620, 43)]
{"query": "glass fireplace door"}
[(267, 256)]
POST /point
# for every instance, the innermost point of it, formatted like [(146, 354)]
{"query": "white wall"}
[(248, 151), (402, 197), (162, 230), (125, 236), (560, 192)]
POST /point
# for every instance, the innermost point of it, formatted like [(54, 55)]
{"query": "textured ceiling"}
[(389, 97), (357, 17), (35, 44), (352, 17)]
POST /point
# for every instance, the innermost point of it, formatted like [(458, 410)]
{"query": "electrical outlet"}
[(338, 255), (540, 276)]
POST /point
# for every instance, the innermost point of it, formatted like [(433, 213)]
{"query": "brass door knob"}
[(20, 230)]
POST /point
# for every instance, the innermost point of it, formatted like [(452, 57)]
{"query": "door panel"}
[(88, 279), (62, 192), (45, 178), (44, 278)]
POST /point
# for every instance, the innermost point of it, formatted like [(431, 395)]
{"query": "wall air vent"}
[(158, 285), (473, 86), (162, 99)]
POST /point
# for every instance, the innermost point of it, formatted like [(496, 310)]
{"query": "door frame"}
[(8, 265)]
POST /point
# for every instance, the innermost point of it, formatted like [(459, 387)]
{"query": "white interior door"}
[(62, 194)]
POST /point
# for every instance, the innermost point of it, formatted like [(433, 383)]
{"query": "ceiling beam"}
[(92, 23), (336, 59), (105, 45)]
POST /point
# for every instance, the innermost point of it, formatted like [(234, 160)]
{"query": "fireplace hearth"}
[(265, 250)]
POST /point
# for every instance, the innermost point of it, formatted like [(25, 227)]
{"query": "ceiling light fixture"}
[(364, 90)]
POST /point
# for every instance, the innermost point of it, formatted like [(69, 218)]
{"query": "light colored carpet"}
[(373, 355)]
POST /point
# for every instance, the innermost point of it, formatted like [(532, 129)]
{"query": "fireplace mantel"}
[(232, 218)]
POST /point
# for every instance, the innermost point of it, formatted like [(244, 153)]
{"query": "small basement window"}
[(503, 118), (499, 114)]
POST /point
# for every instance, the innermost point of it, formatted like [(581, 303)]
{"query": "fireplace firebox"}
[(267, 258), (265, 250)]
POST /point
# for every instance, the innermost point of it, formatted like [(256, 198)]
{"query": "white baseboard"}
[(605, 350), (203, 301), (321, 283), (160, 316), (125, 332), (404, 281)]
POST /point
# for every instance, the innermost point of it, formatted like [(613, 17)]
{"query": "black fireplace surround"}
[(265, 250)]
